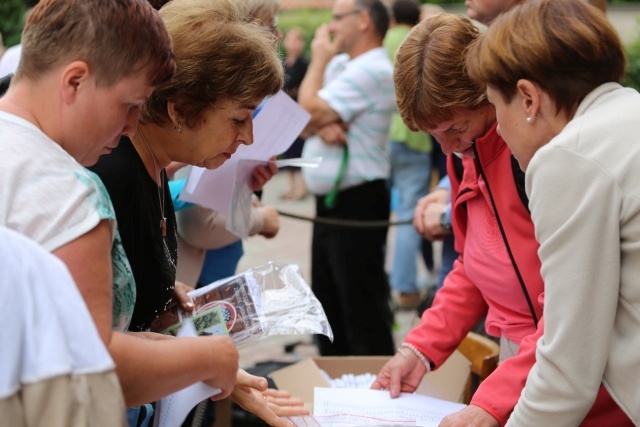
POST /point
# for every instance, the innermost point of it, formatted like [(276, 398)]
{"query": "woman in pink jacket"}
[(498, 272)]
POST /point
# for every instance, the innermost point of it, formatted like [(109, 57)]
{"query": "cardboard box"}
[(447, 382)]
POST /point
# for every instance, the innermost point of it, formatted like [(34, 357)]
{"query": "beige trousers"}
[(93, 400)]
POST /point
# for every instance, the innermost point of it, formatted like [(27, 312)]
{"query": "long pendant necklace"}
[(157, 170)]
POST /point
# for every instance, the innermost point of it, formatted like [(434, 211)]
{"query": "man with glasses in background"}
[(351, 100)]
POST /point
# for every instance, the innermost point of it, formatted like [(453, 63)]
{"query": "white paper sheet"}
[(239, 219), (172, 410), (275, 128), (311, 162), (345, 421), (377, 404)]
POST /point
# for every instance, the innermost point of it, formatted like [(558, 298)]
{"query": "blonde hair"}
[(115, 38), (430, 77), (262, 10), (220, 56), (567, 47)]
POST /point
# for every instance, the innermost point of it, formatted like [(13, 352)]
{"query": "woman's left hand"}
[(263, 173), (181, 294), (252, 395), (470, 416)]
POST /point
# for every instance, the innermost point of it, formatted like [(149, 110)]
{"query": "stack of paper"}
[(365, 407)]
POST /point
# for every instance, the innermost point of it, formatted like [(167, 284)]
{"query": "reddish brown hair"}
[(429, 74)]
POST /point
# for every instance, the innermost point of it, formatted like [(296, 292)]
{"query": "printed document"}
[(379, 408)]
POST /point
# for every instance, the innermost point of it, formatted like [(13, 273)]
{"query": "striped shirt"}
[(361, 92)]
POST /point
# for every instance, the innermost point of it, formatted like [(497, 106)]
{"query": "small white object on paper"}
[(172, 410), (275, 128), (350, 380), (239, 220), (378, 405), (301, 162)]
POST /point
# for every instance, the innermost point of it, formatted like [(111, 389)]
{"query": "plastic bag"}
[(238, 220), (259, 303)]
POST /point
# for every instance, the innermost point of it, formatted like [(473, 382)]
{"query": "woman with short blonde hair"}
[(264, 11)]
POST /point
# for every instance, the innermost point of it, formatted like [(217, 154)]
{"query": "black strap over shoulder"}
[(504, 235), (458, 167), (518, 177)]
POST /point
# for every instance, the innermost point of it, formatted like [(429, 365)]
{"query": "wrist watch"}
[(445, 224)]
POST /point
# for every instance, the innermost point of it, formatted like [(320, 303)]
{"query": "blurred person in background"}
[(350, 99), (410, 157), (295, 67)]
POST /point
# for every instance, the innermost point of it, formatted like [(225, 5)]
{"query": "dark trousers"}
[(347, 273)]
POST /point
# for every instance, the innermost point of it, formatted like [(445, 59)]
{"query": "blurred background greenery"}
[(11, 20), (12, 13), (632, 78), (309, 19)]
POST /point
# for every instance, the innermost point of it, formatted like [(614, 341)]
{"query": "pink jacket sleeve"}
[(457, 307)]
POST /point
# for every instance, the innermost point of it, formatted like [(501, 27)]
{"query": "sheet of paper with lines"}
[(377, 404)]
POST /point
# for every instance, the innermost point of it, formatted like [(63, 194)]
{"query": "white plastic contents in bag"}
[(259, 303)]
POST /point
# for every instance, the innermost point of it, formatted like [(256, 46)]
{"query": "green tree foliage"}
[(307, 20), (632, 77), (11, 20)]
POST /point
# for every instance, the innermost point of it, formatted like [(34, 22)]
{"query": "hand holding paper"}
[(172, 410)]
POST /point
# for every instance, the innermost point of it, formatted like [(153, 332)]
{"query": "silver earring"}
[(178, 127), (528, 119)]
